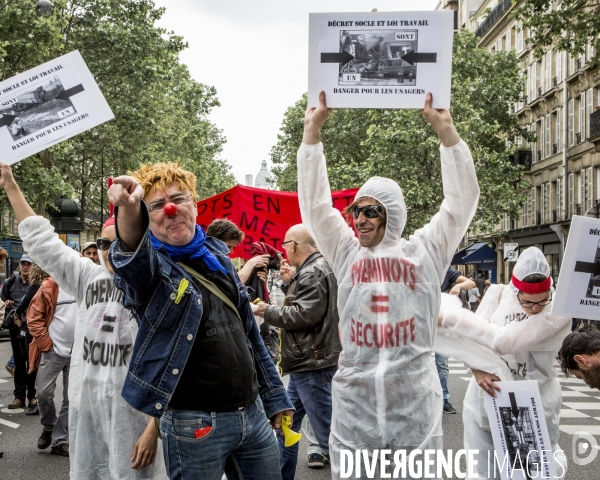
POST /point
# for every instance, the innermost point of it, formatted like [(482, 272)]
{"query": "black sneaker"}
[(316, 460), (62, 450), (448, 408), (33, 408), (45, 440)]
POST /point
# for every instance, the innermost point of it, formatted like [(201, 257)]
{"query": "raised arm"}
[(126, 193), (325, 224), (461, 191), (64, 264), (535, 333)]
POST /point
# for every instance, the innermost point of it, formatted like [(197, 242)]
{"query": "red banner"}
[(263, 215)]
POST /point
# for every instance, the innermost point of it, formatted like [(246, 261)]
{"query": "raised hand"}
[(441, 121), (125, 191), (6, 176), (314, 119)]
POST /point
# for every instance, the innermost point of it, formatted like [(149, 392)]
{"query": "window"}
[(559, 73), (534, 143), (542, 136), (571, 106), (589, 189), (548, 136), (533, 207), (533, 93), (582, 121), (543, 74), (549, 70), (581, 188), (558, 129), (525, 210), (571, 65), (547, 204), (509, 39), (570, 193), (519, 37), (590, 109), (559, 199)]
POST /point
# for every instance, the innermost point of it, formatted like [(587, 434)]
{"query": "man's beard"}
[(592, 376)]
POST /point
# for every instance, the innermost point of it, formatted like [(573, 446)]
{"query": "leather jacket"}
[(309, 318)]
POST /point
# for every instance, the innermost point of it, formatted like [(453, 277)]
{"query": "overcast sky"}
[(255, 54)]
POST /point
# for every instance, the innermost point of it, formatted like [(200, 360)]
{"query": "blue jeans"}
[(11, 362), (441, 364), (244, 436), (310, 393)]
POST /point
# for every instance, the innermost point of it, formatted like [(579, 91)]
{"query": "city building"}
[(263, 177), (563, 165)]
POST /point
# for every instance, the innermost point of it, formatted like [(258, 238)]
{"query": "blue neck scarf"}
[(194, 249)]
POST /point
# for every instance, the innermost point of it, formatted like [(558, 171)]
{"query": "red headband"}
[(532, 288)]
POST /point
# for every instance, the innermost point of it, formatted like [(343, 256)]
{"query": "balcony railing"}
[(539, 155), (578, 138), (539, 218), (595, 124), (554, 81), (578, 209), (554, 148), (539, 91), (493, 17), (554, 216), (579, 64)]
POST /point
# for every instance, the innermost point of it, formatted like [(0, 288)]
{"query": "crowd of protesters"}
[(172, 359)]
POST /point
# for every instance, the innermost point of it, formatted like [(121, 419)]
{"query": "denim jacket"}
[(168, 327)]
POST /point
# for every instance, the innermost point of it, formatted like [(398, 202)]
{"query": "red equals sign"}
[(380, 303)]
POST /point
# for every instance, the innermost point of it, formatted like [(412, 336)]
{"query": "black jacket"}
[(309, 318)]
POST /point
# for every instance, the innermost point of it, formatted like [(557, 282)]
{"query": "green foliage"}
[(570, 27), (160, 111), (401, 145)]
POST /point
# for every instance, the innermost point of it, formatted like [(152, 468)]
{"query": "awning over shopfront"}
[(474, 254)]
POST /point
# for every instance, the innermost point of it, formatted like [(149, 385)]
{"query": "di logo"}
[(585, 448)]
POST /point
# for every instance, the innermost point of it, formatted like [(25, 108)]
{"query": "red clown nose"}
[(170, 209)]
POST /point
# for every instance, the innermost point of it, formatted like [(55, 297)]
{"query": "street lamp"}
[(44, 8)]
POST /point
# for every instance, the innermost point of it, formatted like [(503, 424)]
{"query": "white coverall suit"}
[(526, 344), (386, 393)]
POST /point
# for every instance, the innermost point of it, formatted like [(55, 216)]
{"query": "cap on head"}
[(87, 245), (26, 258)]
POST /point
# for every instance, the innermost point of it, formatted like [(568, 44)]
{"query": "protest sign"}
[(519, 431), (578, 289), (263, 215), (47, 105), (380, 60)]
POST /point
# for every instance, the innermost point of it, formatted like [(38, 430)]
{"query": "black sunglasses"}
[(369, 211), (103, 243)]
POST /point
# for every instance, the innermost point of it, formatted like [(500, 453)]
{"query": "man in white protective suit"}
[(386, 393), (513, 323), (108, 438)]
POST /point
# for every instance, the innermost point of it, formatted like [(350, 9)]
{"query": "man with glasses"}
[(514, 325), (201, 365), (310, 345), (107, 437), (386, 394)]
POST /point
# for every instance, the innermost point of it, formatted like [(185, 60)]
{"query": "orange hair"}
[(161, 175)]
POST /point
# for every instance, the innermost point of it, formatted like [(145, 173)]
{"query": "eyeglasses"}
[(176, 199), (103, 243), (543, 303), (289, 241), (369, 211)]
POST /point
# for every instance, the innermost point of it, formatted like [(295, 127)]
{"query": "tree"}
[(399, 144), (160, 111), (572, 26)]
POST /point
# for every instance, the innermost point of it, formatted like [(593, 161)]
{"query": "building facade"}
[(562, 94)]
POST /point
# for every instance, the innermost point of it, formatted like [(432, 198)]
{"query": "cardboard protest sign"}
[(380, 60), (520, 433), (263, 215), (48, 104), (578, 289)]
